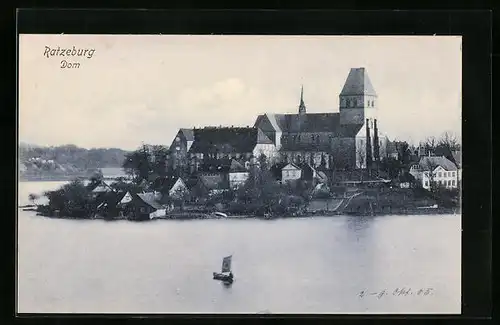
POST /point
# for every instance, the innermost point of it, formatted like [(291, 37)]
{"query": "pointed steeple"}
[(302, 106)]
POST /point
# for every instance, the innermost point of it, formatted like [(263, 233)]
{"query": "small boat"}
[(220, 215), (225, 275), (435, 206)]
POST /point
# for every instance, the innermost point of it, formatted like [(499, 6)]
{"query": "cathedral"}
[(347, 139)]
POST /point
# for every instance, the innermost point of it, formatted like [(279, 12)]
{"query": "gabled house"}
[(142, 206), (276, 170), (230, 143), (358, 178), (391, 150), (127, 198), (237, 174), (210, 184), (436, 169), (291, 172), (180, 146), (232, 170), (108, 205), (98, 188), (172, 187)]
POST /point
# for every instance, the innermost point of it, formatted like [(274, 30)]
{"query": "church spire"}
[(302, 106)]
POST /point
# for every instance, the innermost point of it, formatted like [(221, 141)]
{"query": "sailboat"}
[(225, 275)]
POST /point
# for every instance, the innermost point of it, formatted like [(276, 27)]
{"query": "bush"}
[(71, 200)]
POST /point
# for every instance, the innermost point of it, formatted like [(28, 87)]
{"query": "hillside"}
[(67, 160)]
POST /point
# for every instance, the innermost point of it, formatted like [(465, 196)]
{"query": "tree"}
[(376, 146), (446, 145), (146, 163), (159, 156), (263, 162), (391, 166), (72, 200), (450, 140), (122, 186), (322, 163), (33, 197), (136, 164), (260, 190), (402, 148), (430, 144), (96, 177), (429, 167), (369, 158), (361, 155)]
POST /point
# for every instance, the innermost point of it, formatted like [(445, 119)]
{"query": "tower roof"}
[(358, 83), (302, 106)]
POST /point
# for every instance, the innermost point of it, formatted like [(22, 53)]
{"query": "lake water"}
[(309, 265), (113, 172)]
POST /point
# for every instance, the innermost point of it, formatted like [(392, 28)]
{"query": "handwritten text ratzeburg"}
[(69, 52)]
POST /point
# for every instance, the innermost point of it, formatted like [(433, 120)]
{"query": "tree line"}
[(70, 157)]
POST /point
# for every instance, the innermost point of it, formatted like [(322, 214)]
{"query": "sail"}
[(226, 264)]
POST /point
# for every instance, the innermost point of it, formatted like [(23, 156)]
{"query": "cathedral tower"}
[(358, 99)]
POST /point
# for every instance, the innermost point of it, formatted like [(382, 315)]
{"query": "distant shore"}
[(57, 178)]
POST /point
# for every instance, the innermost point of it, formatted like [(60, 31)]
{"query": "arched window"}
[(373, 103)]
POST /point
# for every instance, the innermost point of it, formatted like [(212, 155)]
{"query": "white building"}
[(237, 174), (291, 172), (436, 169)]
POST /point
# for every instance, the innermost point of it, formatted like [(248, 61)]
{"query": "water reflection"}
[(227, 286), (359, 226)]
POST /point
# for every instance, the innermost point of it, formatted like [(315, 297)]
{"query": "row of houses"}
[(219, 175), (438, 169), (112, 203), (216, 176)]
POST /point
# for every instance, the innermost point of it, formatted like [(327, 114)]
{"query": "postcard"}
[(239, 174)]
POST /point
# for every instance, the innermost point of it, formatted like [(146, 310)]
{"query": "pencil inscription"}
[(397, 292)]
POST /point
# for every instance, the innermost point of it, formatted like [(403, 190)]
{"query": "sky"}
[(142, 88)]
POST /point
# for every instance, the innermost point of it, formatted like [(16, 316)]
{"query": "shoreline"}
[(207, 216)]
